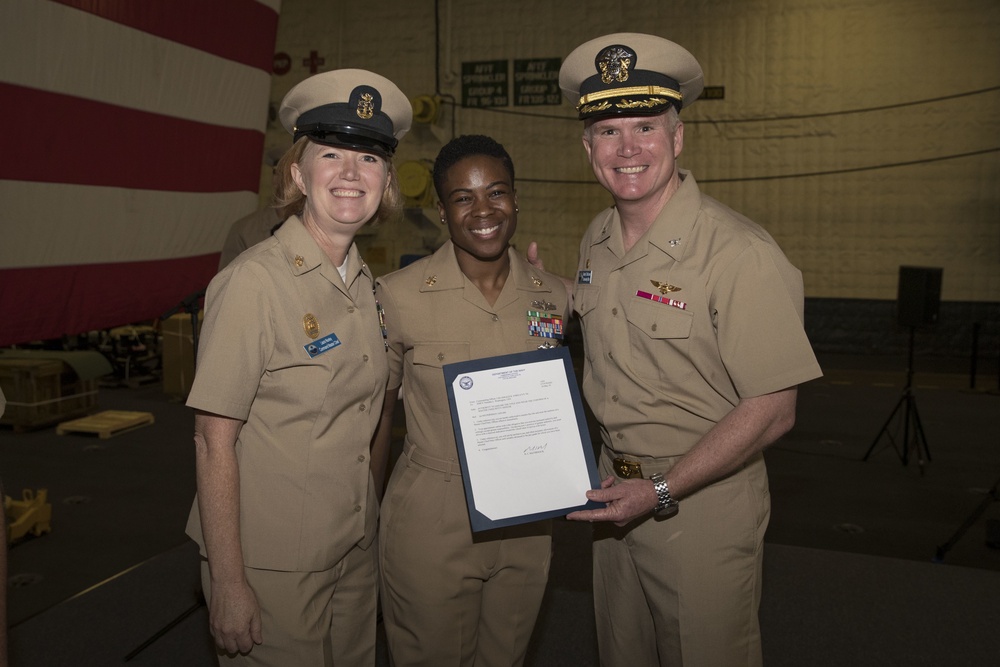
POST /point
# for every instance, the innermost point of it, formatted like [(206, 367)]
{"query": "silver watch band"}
[(665, 504)]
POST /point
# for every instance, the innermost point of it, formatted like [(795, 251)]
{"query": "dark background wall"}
[(871, 327)]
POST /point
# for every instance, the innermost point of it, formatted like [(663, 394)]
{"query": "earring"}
[(516, 209)]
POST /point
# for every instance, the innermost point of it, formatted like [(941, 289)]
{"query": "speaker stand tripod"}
[(913, 430), (991, 496)]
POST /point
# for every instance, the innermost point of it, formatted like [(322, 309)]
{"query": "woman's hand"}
[(234, 617)]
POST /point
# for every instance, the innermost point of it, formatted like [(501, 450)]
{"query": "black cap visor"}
[(645, 94), (348, 136)]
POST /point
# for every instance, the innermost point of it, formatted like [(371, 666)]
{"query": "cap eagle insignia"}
[(614, 63)]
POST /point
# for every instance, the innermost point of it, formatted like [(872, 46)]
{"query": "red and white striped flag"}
[(131, 136)]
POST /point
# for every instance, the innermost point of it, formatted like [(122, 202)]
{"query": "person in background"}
[(451, 597), (288, 392), (694, 343), (254, 227)]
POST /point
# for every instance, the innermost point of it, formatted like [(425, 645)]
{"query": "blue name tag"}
[(324, 344), (583, 277)]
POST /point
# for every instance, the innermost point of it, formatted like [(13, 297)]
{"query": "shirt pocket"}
[(660, 341), (428, 376), (585, 298)]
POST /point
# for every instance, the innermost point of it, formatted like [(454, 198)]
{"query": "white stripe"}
[(52, 47), (54, 224)]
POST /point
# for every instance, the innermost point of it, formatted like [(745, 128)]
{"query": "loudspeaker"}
[(919, 296)]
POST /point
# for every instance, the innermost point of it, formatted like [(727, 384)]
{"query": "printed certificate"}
[(522, 437)]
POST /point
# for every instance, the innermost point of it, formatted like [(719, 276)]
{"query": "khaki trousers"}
[(450, 598), (313, 619), (685, 590)]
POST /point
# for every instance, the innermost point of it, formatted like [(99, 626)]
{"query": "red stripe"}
[(240, 30), (64, 139), (49, 302)]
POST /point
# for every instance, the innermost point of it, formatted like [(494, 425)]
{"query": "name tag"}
[(324, 344), (583, 277)]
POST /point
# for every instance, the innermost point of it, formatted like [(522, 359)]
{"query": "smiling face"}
[(480, 206), (342, 186), (635, 157)]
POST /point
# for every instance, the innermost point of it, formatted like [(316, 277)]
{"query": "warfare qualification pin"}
[(665, 287)]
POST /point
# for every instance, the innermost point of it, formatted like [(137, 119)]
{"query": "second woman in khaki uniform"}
[(450, 597)]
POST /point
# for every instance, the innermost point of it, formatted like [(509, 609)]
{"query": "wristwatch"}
[(665, 505)]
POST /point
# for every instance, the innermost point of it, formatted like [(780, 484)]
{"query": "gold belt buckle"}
[(627, 469)]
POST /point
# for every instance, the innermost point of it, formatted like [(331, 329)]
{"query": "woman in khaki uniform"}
[(448, 597), (290, 382)]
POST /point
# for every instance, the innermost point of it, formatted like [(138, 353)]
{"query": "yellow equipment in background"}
[(416, 182), (32, 515), (425, 109)]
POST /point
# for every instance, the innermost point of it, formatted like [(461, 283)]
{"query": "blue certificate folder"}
[(517, 439)]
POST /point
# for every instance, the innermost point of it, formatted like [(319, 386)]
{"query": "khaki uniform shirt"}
[(702, 311), (434, 316), (297, 354)]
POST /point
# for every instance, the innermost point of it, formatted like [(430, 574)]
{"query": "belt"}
[(432, 462), (627, 469)]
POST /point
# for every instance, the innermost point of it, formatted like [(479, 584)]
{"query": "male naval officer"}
[(692, 325)]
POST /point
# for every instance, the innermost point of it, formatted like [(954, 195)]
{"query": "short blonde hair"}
[(289, 200)]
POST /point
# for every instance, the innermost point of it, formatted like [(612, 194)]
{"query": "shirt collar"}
[(442, 272), (303, 254), (672, 225)]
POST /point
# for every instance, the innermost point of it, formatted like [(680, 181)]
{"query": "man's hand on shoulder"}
[(533, 257), (536, 261)]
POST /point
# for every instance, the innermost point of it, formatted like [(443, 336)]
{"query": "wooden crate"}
[(41, 392), (107, 424)]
